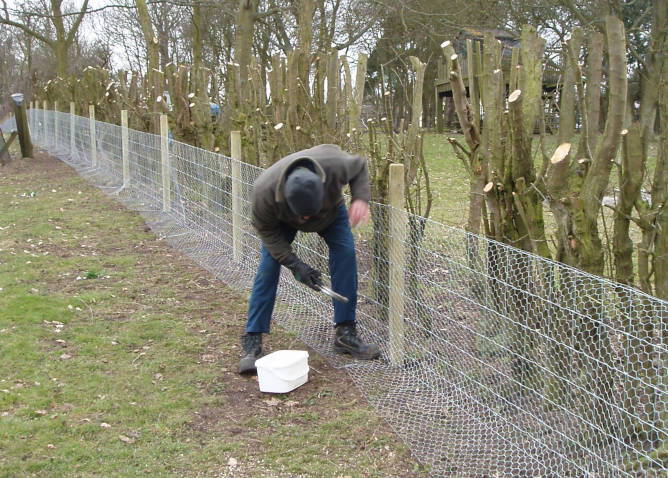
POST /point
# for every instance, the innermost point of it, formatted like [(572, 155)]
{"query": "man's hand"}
[(358, 212), (306, 274)]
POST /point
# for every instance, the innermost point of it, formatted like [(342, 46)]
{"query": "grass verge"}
[(119, 355)]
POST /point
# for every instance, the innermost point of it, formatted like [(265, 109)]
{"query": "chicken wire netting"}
[(495, 362)]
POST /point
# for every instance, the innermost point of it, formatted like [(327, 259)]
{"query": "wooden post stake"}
[(93, 140), (22, 125), (5, 158), (55, 123), (237, 238), (125, 144), (72, 133), (397, 263), (164, 154), (44, 136)]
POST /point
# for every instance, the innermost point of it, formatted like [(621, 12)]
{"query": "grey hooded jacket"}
[(271, 213)]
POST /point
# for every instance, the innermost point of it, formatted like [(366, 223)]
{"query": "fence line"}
[(506, 364)]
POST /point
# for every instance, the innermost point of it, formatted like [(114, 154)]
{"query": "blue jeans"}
[(342, 267)]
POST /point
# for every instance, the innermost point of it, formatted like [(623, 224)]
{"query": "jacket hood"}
[(300, 160)]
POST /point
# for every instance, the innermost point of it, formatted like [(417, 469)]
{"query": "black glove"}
[(305, 273)]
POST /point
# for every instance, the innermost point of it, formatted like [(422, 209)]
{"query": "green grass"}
[(448, 179), (118, 357), (68, 368)]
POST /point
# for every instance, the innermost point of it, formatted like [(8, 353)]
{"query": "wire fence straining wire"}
[(506, 364)]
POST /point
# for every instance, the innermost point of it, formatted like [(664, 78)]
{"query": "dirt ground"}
[(218, 312)]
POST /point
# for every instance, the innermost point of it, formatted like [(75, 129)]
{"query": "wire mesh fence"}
[(500, 363)]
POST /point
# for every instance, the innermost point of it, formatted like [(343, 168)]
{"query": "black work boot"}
[(251, 350), (348, 342)]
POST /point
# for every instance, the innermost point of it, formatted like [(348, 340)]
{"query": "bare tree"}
[(49, 24), (10, 63)]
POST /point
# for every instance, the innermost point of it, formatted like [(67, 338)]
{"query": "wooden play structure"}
[(469, 44)]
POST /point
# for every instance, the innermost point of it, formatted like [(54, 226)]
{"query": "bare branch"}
[(176, 3), (73, 30), (26, 29)]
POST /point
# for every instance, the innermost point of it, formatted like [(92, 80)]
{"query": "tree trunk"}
[(304, 33), (594, 77), (197, 36), (61, 58), (660, 195), (531, 79), (576, 189), (60, 45), (332, 88), (244, 38), (358, 94), (163, 36), (567, 95), (528, 201), (631, 175), (651, 73), (152, 47), (591, 249)]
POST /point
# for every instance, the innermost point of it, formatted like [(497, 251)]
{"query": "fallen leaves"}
[(274, 402), (58, 326), (126, 439), (208, 358)]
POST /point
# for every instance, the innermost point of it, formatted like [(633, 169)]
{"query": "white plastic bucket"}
[(282, 371)]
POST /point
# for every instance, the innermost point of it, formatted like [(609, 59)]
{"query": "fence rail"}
[(505, 364)]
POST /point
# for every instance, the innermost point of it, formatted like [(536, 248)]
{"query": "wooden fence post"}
[(93, 140), (44, 120), (397, 264), (5, 158), (237, 238), (22, 125), (125, 143), (55, 123), (72, 134), (164, 155)]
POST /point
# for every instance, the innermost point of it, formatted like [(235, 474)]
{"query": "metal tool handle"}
[(333, 294)]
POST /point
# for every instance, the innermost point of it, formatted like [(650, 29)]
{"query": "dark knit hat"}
[(303, 192)]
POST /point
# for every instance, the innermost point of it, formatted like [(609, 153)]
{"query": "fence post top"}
[(17, 98), (396, 166)]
